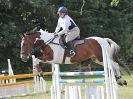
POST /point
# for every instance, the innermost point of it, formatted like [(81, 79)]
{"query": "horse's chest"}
[(58, 55)]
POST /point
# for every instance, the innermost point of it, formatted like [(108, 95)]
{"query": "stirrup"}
[(72, 53)]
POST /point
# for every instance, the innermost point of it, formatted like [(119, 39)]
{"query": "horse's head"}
[(27, 44)]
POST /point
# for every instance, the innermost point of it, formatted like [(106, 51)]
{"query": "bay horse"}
[(52, 51)]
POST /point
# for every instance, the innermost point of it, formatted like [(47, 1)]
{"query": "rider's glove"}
[(56, 35)]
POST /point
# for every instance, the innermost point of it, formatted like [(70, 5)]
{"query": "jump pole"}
[(10, 71), (56, 92), (108, 80), (73, 88)]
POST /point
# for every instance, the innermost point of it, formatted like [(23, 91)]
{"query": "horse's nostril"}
[(24, 56), (24, 60)]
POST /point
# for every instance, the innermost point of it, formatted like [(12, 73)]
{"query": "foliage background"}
[(98, 18)]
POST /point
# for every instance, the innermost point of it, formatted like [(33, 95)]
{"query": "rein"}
[(51, 41)]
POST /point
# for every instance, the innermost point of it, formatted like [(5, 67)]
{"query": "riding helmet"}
[(62, 10)]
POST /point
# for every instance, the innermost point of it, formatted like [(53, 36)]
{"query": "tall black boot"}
[(72, 49)]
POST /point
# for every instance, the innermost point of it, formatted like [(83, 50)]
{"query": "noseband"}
[(26, 54)]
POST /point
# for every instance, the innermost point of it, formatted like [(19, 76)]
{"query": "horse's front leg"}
[(36, 68)]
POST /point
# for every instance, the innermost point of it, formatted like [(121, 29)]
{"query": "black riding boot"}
[(72, 49)]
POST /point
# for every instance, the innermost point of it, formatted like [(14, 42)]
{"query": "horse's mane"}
[(39, 31), (34, 31)]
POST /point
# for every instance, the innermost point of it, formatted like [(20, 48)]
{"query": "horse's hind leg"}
[(116, 69)]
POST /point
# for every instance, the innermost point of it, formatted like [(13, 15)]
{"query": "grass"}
[(125, 92)]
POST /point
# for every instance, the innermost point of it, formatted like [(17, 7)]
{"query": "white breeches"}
[(72, 34)]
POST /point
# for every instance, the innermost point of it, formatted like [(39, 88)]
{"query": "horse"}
[(53, 52)]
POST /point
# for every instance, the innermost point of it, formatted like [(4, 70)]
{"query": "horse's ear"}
[(38, 28), (22, 35)]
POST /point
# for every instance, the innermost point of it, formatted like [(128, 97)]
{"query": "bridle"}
[(25, 53)]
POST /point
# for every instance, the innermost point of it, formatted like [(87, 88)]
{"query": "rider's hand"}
[(56, 35)]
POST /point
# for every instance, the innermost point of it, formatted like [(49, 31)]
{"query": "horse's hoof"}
[(41, 75), (122, 82), (125, 83)]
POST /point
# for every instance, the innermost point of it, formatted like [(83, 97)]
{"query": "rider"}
[(66, 26)]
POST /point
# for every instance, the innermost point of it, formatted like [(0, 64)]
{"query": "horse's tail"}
[(115, 49)]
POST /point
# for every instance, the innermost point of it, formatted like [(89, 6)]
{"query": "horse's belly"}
[(58, 55)]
